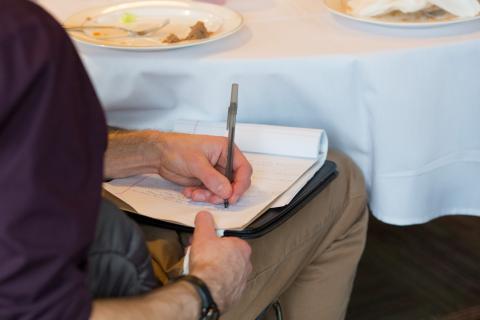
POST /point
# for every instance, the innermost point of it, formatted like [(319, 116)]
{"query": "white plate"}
[(413, 20), (219, 21)]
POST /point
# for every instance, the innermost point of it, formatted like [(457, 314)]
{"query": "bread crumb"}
[(171, 38), (198, 31)]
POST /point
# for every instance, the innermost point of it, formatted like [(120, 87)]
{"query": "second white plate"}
[(398, 20), (142, 15)]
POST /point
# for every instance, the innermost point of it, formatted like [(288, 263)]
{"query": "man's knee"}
[(349, 176), (349, 187)]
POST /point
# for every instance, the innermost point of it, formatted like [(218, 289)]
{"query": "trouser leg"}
[(322, 288), (166, 250), (309, 262)]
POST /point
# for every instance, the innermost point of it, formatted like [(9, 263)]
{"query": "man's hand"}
[(199, 162), (223, 263), (195, 161)]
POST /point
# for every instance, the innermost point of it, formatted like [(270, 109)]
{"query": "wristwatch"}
[(208, 308)]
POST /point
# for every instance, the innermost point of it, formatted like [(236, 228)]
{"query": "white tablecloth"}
[(404, 104)]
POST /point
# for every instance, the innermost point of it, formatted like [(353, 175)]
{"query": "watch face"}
[(212, 314)]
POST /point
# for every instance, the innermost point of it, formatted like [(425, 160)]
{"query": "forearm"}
[(176, 301), (190, 160), (131, 153)]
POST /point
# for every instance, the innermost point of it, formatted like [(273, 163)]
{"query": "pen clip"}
[(232, 109)]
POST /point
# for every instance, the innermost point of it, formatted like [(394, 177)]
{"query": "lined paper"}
[(275, 180)]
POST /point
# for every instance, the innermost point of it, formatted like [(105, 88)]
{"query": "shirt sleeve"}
[(52, 139)]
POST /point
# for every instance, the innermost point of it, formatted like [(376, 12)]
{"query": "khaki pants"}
[(308, 263)]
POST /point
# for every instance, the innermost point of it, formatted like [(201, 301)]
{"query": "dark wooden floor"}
[(429, 271)]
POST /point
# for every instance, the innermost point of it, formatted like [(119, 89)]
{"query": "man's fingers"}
[(201, 194), (178, 179), (211, 178), (204, 227), (215, 181), (241, 183)]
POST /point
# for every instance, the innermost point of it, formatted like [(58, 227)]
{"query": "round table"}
[(403, 103)]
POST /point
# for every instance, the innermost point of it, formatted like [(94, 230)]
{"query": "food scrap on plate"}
[(197, 31)]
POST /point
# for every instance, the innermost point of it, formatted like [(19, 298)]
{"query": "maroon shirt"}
[(52, 139)]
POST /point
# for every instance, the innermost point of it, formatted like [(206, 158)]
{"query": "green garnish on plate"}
[(128, 17)]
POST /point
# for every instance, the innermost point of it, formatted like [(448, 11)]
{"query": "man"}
[(52, 143)]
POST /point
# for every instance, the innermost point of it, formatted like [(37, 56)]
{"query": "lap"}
[(280, 255)]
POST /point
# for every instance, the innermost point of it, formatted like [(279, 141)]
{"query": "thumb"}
[(212, 179), (204, 227)]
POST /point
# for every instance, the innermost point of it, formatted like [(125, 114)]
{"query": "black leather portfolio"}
[(271, 218)]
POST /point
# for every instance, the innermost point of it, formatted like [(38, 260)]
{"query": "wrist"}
[(178, 300), (209, 277), (208, 309), (153, 148), (193, 308), (131, 153)]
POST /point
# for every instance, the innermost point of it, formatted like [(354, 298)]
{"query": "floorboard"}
[(429, 271)]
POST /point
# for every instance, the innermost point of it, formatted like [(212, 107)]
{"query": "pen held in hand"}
[(231, 120)]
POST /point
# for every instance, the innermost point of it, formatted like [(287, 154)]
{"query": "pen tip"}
[(225, 203)]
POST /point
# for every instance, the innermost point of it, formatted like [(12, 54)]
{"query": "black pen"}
[(231, 120)]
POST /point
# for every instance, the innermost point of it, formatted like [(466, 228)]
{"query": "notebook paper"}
[(273, 176)]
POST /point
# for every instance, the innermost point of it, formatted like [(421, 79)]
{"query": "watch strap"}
[(208, 309)]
